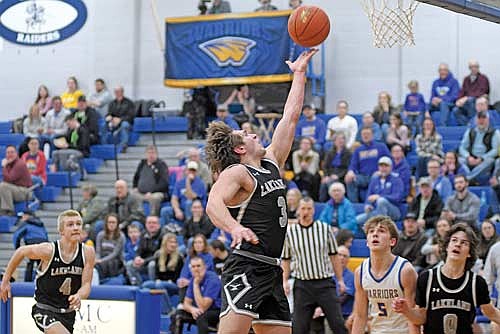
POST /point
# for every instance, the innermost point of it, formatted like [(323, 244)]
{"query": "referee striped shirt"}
[(311, 248)]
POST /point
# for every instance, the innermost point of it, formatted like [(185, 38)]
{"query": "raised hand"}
[(300, 64)]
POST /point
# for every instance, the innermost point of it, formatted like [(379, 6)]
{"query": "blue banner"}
[(227, 49)]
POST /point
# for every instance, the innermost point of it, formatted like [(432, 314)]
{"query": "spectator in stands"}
[(144, 262), (87, 241), (294, 4), (203, 298), (312, 127), (203, 170), (186, 190), (220, 7), (444, 93), (70, 97), (43, 100), (220, 254), (306, 168), (363, 164), (426, 206), (474, 85), (223, 116), (293, 197), (125, 205), (56, 119), (132, 242), (410, 242), (36, 162), (401, 168), (462, 206), (265, 6), (288, 183), (398, 133), (91, 207), (383, 110), (32, 230), (369, 122), (89, 118), (199, 223), (101, 98), (429, 145), (344, 238), (222, 236), (335, 166), (451, 166), (72, 148), (414, 107), (346, 299), (242, 94), (487, 239), (431, 247), (343, 123), (16, 182), (168, 265), (439, 182), (34, 125), (150, 181), (479, 149), (339, 212), (120, 118), (198, 248), (384, 195), (482, 105), (109, 249)]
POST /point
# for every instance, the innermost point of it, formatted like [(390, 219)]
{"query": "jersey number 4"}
[(284, 214), (65, 288)]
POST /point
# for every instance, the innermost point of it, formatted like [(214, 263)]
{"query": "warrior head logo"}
[(229, 50)]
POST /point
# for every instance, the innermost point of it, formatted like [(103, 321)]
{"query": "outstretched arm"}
[(285, 131)]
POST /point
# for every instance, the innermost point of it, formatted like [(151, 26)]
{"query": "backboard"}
[(484, 9)]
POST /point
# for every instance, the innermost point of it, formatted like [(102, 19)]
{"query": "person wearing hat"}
[(312, 127), (223, 116), (385, 194), (89, 118), (410, 242), (479, 149), (32, 231), (185, 191), (426, 206)]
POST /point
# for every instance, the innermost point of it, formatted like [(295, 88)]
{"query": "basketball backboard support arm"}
[(483, 9)]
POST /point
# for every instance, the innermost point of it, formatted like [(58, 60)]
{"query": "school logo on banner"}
[(41, 22), (227, 51)]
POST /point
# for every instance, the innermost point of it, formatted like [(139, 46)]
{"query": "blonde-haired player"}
[(380, 279), (63, 278)]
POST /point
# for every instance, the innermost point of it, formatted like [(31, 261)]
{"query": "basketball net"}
[(391, 21)]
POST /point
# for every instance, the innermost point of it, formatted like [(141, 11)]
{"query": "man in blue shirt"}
[(444, 93), (202, 302), (223, 116), (385, 194), (311, 127), (369, 121), (346, 298), (364, 164), (400, 167), (186, 190)]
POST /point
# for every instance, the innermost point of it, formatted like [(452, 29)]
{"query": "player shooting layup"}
[(248, 201)]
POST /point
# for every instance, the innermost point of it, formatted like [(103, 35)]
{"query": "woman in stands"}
[(431, 248), (293, 197), (429, 146), (398, 133), (383, 110), (451, 166), (43, 100), (70, 97), (110, 244), (487, 239), (199, 247), (34, 125), (168, 266)]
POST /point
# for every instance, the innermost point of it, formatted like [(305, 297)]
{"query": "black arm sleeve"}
[(420, 298)]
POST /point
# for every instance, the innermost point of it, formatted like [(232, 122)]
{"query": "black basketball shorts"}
[(254, 288), (45, 318)]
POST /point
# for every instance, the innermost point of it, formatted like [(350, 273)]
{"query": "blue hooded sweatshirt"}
[(346, 215), (446, 89), (32, 231), (365, 158), (392, 189)]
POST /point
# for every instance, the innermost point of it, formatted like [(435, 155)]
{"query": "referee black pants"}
[(307, 295)]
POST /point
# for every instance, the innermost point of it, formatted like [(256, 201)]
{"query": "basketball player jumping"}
[(63, 278), (248, 201), (381, 278), (447, 295)]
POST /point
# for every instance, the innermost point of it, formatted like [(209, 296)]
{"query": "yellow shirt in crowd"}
[(70, 100)]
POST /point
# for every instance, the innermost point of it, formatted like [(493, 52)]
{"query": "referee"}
[(312, 245)]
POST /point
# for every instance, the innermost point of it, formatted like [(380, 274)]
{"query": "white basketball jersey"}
[(381, 293)]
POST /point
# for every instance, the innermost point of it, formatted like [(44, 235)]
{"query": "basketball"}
[(308, 26)]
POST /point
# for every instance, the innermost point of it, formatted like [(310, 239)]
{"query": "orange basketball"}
[(308, 26)]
